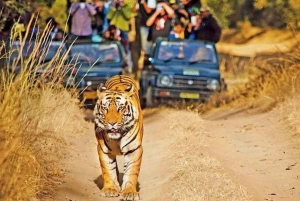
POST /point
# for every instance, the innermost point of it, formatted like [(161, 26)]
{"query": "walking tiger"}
[(119, 131)]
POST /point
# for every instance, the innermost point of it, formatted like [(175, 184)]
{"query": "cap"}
[(204, 8), (172, 1)]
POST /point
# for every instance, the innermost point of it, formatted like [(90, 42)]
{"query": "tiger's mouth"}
[(114, 134), (113, 130)]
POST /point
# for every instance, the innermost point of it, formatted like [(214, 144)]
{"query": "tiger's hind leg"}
[(132, 164), (111, 186)]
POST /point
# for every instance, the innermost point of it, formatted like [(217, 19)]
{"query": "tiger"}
[(119, 131)]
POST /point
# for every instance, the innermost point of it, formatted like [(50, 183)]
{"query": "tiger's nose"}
[(112, 125)]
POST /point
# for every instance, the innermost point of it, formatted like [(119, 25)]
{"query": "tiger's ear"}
[(100, 89), (130, 90)]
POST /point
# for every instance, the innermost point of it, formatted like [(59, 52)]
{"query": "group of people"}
[(111, 20)]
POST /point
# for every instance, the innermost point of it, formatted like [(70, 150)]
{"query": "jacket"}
[(120, 17), (209, 30)]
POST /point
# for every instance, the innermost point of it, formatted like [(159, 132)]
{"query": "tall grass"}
[(36, 118)]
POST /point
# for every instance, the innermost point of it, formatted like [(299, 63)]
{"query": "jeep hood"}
[(99, 71)]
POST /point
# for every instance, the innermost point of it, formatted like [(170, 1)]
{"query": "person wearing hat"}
[(209, 29)]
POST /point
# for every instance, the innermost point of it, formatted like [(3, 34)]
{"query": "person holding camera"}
[(160, 22), (119, 15), (81, 13), (114, 34)]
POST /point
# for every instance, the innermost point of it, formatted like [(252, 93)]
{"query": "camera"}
[(117, 5), (111, 36)]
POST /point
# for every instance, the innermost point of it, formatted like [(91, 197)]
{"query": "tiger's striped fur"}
[(119, 131)]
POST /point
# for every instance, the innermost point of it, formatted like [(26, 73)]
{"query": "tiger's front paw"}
[(110, 192), (127, 194)]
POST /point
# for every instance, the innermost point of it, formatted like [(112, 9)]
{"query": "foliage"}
[(34, 121), (261, 13), (55, 11), (7, 7), (221, 10)]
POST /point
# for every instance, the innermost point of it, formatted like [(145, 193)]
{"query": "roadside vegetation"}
[(36, 121), (270, 78)]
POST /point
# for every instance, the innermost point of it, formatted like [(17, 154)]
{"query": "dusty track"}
[(256, 150)]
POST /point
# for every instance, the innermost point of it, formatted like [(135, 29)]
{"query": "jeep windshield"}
[(185, 51), (95, 53)]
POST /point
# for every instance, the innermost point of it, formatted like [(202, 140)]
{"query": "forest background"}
[(234, 16)]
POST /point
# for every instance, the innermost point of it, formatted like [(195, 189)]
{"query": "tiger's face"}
[(115, 113)]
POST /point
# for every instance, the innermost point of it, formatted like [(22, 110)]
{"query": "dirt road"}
[(256, 150)]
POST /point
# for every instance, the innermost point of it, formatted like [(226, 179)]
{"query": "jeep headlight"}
[(89, 83), (165, 80), (213, 84)]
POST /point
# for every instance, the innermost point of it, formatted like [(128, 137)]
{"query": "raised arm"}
[(92, 9), (169, 10), (152, 18)]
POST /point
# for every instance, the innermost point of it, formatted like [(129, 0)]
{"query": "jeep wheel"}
[(142, 99), (149, 97)]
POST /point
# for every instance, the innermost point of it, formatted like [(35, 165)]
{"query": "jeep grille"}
[(190, 82)]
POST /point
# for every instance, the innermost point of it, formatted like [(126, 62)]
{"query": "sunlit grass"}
[(36, 118)]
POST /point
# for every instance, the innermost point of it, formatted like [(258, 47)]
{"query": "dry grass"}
[(36, 121), (290, 113), (197, 176)]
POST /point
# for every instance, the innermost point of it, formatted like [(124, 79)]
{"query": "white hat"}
[(204, 8)]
